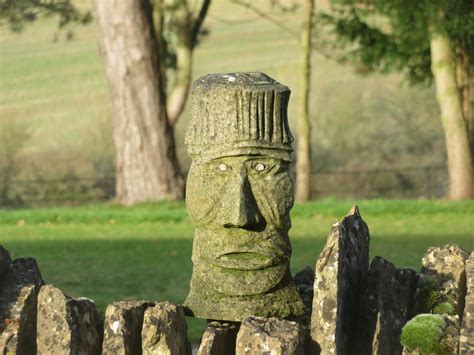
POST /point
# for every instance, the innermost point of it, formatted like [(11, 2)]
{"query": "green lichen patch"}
[(424, 333)]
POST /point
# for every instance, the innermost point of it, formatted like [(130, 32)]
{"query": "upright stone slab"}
[(164, 330), (67, 325), (442, 283), (341, 275), (219, 338), (385, 305), (5, 261), (18, 298), (466, 340), (258, 335), (123, 327), (239, 194)]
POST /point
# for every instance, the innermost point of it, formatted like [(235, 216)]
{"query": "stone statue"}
[(239, 194)]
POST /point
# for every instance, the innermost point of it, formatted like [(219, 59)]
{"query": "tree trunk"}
[(471, 117), (465, 84), (147, 167), (303, 162), (184, 55), (159, 26), (187, 31), (455, 130)]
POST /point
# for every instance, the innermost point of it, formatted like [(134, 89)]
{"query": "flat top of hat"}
[(253, 79)]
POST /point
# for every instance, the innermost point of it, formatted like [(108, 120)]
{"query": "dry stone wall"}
[(67, 325), (341, 273), (123, 327), (466, 340), (384, 308), (18, 307), (219, 338), (164, 330), (258, 335), (350, 308)]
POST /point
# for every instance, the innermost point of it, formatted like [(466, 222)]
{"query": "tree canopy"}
[(424, 40), (18, 13), (381, 35)]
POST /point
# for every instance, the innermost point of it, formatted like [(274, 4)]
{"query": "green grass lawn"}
[(111, 253)]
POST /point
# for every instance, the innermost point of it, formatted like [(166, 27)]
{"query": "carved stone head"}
[(239, 194)]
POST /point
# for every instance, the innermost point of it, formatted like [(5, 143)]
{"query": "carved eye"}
[(259, 167), (222, 167)]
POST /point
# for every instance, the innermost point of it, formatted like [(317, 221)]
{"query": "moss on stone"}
[(444, 308), (424, 333), (428, 296), (431, 298)]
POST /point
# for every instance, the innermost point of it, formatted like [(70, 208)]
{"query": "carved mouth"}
[(245, 261)]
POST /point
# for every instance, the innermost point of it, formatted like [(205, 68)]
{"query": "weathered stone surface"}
[(341, 275), (123, 327), (259, 335), (219, 338), (466, 343), (67, 325), (18, 298), (384, 310), (5, 262), (442, 284), (304, 280), (164, 330), (239, 194)]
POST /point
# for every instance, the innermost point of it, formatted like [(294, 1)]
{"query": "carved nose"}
[(239, 208)]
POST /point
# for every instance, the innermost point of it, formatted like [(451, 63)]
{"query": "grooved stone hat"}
[(239, 113)]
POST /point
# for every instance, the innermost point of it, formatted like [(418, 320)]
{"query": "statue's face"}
[(240, 206)]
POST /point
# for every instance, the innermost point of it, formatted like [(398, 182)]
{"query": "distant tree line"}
[(148, 49)]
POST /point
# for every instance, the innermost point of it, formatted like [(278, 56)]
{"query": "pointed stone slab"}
[(258, 335), (5, 261), (164, 330), (67, 325), (18, 298), (341, 273), (466, 340), (123, 327), (385, 307), (219, 338)]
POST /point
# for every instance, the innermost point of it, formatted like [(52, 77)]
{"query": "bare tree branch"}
[(265, 16), (196, 26)]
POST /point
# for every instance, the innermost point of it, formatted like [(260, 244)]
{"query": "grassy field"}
[(110, 253)]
